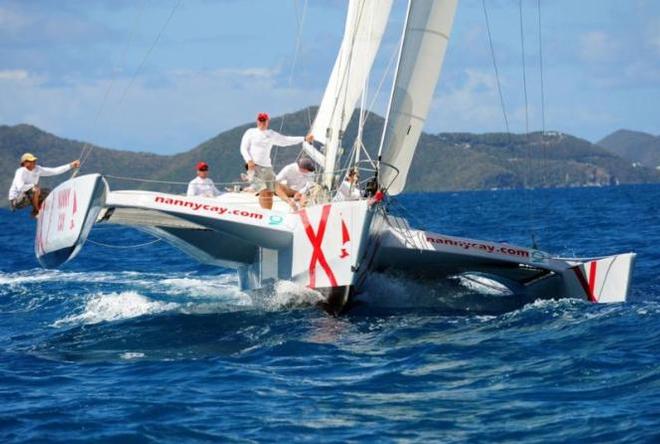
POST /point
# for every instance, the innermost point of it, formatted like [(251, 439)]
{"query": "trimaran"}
[(332, 246)]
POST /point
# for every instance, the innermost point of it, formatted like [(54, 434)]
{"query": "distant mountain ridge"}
[(636, 146), (443, 162)]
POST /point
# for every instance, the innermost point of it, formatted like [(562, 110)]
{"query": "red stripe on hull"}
[(592, 280)]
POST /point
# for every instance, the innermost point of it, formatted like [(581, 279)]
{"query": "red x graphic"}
[(316, 239)]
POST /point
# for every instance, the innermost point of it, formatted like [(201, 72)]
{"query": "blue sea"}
[(134, 343)]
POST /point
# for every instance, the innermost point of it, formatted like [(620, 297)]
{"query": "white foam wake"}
[(103, 307)]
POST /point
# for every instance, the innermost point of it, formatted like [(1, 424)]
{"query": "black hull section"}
[(337, 299), (56, 258)]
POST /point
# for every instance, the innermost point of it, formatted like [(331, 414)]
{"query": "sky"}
[(165, 75)]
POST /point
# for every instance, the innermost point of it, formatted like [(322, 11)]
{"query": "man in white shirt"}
[(24, 188), (256, 145), (202, 185), (296, 178), (348, 189)]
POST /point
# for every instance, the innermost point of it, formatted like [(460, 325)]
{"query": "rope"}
[(84, 157), (497, 75), (101, 244)]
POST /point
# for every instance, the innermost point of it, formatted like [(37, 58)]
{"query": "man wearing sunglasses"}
[(202, 185)]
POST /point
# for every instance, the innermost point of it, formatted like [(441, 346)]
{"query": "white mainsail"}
[(425, 38), (365, 25)]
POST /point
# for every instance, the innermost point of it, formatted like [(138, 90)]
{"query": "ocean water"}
[(140, 344)]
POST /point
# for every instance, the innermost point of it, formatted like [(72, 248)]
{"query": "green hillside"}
[(635, 146), (443, 162)]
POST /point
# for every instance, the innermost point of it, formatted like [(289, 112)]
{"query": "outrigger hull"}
[(330, 247)]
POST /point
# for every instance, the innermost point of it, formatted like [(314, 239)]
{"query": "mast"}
[(364, 29)]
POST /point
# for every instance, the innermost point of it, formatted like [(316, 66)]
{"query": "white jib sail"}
[(365, 25), (425, 38)]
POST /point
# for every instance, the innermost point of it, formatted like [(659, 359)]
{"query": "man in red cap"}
[(256, 145), (202, 185)]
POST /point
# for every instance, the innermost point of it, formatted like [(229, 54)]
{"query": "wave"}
[(186, 296)]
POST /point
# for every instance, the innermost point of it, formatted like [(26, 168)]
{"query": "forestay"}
[(423, 46), (365, 25)]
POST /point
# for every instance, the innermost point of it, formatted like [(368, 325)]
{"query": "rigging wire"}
[(380, 84), (544, 147), (524, 71), (299, 24), (119, 66), (541, 68), (121, 247), (531, 215), (394, 81), (497, 75), (368, 109), (363, 100), (137, 71), (149, 51), (136, 179), (543, 144)]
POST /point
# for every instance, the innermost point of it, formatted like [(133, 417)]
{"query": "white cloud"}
[(654, 35), (11, 20), (13, 74), (597, 46), (174, 114), (264, 73), (473, 105)]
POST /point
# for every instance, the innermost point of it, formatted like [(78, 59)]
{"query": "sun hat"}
[(28, 157)]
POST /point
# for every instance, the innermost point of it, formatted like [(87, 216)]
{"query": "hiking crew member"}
[(296, 179), (202, 185), (24, 188), (256, 145)]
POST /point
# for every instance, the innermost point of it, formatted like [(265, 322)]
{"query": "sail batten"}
[(424, 41)]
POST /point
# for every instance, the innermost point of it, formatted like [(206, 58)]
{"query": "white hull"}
[(329, 247)]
